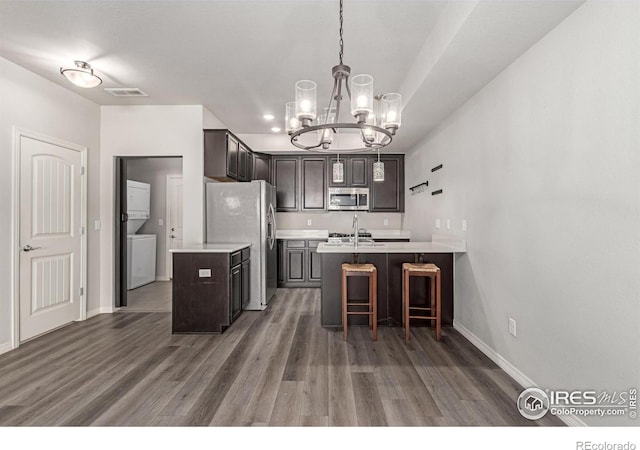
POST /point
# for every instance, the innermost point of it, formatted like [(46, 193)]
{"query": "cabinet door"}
[(314, 184), (285, 178), (246, 283), (251, 166), (282, 262), (315, 265), (261, 167), (295, 265), (243, 166), (388, 195), (232, 157), (345, 165), (358, 171), (236, 292)]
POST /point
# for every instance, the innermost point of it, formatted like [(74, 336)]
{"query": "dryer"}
[(141, 248)]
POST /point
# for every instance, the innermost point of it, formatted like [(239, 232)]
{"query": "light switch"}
[(437, 223), (308, 222), (464, 225), (448, 224), (96, 225), (160, 222), (204, 273), (386, 222)]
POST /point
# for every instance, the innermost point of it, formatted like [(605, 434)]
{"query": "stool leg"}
[(370, 306), (438, 307), (344, 305), (405, 281), (432, 299), (404, 288), (374, 301)]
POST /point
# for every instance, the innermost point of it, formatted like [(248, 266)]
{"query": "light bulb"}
[(391, 116), (305, 105), (362, 101)]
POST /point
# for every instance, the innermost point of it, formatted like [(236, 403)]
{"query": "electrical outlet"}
[(96, 225), (386, 222), (448, 224), (160, 222), (464, 224), (437, 223), (308, 222), (512, 326)]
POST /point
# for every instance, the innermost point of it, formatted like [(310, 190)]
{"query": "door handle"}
[(28, 248)]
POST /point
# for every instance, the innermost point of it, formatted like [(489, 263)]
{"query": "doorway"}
[(50, 211), (142, 235)]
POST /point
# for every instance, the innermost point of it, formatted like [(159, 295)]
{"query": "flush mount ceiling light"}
[(82, 75), (377, 118), (268, 117)]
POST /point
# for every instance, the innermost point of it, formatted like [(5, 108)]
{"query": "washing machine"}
[(141, 248), (141, 260)]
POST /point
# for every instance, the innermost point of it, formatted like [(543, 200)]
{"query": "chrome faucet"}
[(355, 230)]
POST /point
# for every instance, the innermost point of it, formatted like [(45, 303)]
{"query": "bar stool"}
[(361, 270), (433, 273)]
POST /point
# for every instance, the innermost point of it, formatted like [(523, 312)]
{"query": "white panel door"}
[(50, 236), (174, 217)]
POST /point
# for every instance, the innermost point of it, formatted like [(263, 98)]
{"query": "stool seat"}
[(420, 267), (432, 312), (361, 270), (370, 268)]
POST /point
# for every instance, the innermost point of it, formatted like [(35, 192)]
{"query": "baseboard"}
[(510, 369), (5, 347), (163, 278), (100, 310)]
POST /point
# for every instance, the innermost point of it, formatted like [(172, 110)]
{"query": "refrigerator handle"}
[(272, 237)]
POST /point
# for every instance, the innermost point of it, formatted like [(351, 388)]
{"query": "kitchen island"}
[(210, 286), (388, 259)]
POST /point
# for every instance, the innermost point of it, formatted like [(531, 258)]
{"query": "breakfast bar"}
[(388, 258)]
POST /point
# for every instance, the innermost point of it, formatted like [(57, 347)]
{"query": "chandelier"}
[(377, 118)]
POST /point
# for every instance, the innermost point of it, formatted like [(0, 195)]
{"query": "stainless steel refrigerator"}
[(246, 212)]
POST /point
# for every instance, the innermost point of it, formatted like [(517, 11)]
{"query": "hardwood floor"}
[(152, 297), (275, 367)]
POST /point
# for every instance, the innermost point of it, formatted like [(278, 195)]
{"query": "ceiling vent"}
[(126, 92)]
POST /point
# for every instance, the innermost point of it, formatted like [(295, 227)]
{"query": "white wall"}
[(151, 131), (154, 171), (33, 103), (544, 164)]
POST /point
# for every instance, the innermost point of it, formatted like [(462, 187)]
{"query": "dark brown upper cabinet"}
[(285, 179), (388, 195), (232, 157), (261, 167), (243, 163), (356, 171), (313, 183)]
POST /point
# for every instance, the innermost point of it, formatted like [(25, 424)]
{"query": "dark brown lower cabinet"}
[(299, 264), (209, 290), (389, 286)]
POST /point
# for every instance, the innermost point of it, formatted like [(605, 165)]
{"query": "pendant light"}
[(358, 90), (338, 171), (378, 169)]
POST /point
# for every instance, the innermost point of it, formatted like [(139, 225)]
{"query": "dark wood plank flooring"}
[(276, 367)]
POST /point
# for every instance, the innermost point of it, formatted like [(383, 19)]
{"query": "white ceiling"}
[(241, 59)]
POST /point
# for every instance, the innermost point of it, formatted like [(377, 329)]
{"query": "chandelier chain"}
[(341, 40)]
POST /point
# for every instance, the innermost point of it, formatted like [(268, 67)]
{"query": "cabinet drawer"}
[(236, 258), (314, 244), (246, 253), (295, 244)]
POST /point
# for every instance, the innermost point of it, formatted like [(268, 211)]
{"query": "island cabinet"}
[(209, 289), (389, 266), (299, 264)]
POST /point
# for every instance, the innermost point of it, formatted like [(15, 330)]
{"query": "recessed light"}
[(275, 129), (268, 117)]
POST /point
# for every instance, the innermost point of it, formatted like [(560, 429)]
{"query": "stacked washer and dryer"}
[(141, 248)]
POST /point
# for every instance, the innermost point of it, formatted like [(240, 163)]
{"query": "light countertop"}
[(212, 248), (324, 234), (393, 247)]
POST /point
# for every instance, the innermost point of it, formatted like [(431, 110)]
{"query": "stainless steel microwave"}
[(348, 199)]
